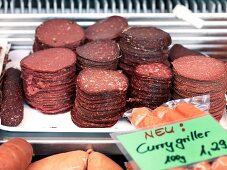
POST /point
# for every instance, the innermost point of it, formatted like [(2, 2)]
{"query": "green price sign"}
[(177, 144)]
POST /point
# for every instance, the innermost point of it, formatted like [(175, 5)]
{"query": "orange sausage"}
[(74, 160), (220, 163), (150, 121), (99, 161), (16, 154), (173, 115), (161, 111), (138, 114), (188, 110), (202, 166)]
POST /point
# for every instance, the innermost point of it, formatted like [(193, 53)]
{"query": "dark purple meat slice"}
[(147, 37), (109, 28), (12, 103)]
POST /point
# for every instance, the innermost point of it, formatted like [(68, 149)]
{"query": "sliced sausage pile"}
[(98, 54), (58, 33), (142, 45), (48, 80), (12, 104), (107, 29), (150, 85), (100, 98), (196, 75)]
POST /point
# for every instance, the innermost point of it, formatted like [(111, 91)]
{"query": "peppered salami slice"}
[(109, 28), (50, 60), (154, 70), (147, 37), (199, 68), (12, 103), (99, 51), (99, 81), (58, 33)]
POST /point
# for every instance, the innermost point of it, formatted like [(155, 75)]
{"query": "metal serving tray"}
[(19, 31)]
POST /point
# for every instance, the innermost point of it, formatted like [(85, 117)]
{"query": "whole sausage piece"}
[(16, 154), (12, 103)]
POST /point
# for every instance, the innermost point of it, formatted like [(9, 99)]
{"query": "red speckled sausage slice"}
[(154, 70), (50, 60), (59, 33), (99, 51), (199, 68), (109, 28), (96, 81)]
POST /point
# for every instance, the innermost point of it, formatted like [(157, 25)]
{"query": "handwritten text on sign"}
[(177, 144)]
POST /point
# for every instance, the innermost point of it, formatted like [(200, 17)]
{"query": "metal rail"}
[(109, 6)]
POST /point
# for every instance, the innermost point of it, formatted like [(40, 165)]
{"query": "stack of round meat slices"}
[(141, 45), (58, 33), (197, 75), (100, 98), (150, 85), (98, 54), (49, 80)]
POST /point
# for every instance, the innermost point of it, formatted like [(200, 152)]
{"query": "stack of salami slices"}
[(141, 45), (100, 98), (98, 54), (49, 80), (196, 75), (58, 33), (109, 28), (150, 85)]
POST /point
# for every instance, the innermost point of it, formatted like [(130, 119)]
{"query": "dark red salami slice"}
[(199, 68), (147, 37), (58, 33), (99, 51), (154, 70), (109, 28), (179, 50), (96, 81), (50, 60)]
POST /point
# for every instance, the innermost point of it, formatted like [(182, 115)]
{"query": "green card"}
[(177, 144)]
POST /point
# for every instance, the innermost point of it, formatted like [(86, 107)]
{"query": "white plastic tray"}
[(35, 121)]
